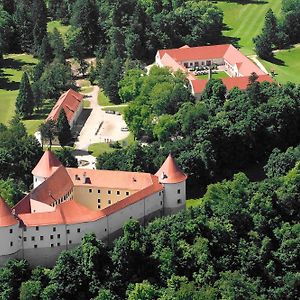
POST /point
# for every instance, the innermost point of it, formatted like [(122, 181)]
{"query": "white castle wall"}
[(37, 180), (175, 197)]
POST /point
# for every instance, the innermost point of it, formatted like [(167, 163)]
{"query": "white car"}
[(124, 129)]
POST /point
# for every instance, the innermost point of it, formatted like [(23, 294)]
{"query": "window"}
[(105, 229), (35, 246), (41, 238), (37, 228), (178, 191), (58, 236), (196, 63), (51, 237), (32, 238), (70, 242), (186, 65), (109, 201), (99, 200), (78, 230), (52, 245), (25, 239), (25, 229), (179, 201), (90, 190), (98, 191), (54, 229), (130, 218), (10, 231), (99, 206), (161, 202), (159, 193), (11, 244), (68, 231), (127, 193), (58, 244), (108, 192), (118, 192)]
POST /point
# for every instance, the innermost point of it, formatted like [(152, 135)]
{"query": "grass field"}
[(100, 148), (103, 100), (60, 27), (217, 75), (245, 21), (286, 65), (10, 77)]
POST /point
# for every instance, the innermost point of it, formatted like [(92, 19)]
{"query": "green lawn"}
[(245, 21), (100, 148), (39, 116), (86, 103), (60, 27), (115, 108), (218, 75), (286, 65), (10, 78), (103, 100)]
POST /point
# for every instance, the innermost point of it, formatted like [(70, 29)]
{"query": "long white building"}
[(66, 203)]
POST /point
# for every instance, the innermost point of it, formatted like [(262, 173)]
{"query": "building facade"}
[(231, 60), (66, 203)]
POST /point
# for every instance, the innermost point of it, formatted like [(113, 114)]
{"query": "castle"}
[(66, 203)]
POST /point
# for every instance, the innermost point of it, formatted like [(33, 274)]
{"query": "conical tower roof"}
[(169, 172), (6, 216), (47, 165)]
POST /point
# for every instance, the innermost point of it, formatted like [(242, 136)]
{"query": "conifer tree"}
[(63, 129), (25, 101), (39, 16), (57, 44), (45, 51)]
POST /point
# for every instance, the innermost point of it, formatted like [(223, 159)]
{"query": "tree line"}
[(240, 241)]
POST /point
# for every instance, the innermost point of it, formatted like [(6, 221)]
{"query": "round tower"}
[(10, 234), (45, 168), (174, 182)]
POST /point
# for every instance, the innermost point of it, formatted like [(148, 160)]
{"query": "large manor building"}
[(66, 203), (225, 57)]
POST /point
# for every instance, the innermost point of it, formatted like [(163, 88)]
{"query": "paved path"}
[(99, 127), (260, 65)]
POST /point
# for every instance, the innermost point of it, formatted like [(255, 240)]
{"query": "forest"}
[(239, 241)]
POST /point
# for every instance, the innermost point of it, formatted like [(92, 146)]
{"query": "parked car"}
[(124, 129), (110, 112), (118, 113)]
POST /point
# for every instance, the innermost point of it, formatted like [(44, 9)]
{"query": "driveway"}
[(99, 127)]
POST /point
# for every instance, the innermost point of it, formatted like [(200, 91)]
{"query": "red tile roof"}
[(47, 165), (170, 172), (6, 216), (69, 101), (173, 58), (230, 82), (194, 53), (111, 179)]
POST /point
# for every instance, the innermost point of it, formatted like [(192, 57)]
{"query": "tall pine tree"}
[(58, 46), (39, 16), (25, 101), (45, 51), (63, 129)]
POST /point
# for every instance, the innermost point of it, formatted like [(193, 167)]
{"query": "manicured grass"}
[(193, 202), (217, 75), (86, 103), (86, 89), (39, 116), (100, 148), (286, 65), (103, 100), (60, 27), (245, 21), (10, 77), (115, 108)]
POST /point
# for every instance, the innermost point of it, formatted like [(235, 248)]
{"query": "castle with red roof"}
[(231, 60), (66, 203)]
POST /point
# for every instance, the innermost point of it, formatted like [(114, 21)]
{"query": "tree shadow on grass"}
[(276, 61)]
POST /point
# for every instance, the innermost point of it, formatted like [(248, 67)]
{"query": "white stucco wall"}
[(37, 180), (173, 193), (10, 239)]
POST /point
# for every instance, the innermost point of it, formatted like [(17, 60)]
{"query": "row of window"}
[(109, 192), (67, 196)]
